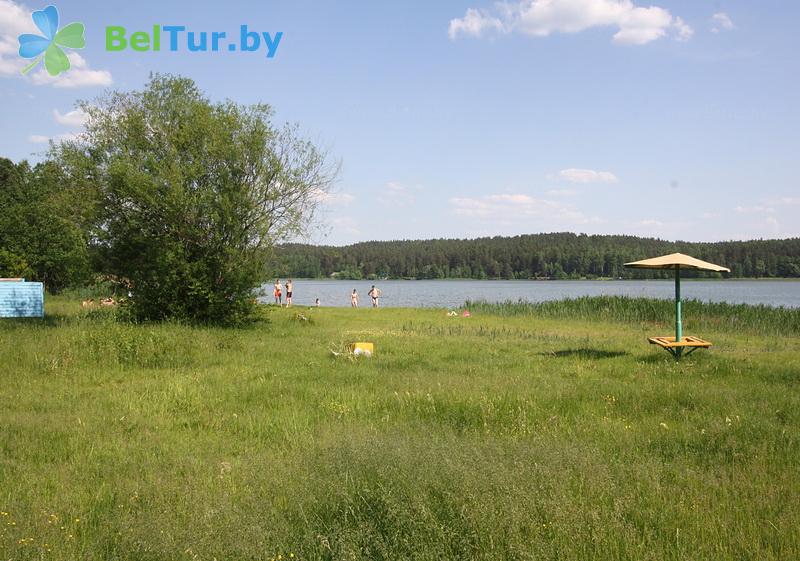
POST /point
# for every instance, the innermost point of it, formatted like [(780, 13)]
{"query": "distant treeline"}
[(556, 256)]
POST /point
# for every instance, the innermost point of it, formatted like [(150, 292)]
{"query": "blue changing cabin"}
[(20, 299)]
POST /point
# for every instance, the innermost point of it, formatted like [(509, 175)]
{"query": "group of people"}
[(278, 293), (374, 294), (103, 302)]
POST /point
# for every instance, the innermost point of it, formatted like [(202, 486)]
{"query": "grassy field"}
[(517, 433)]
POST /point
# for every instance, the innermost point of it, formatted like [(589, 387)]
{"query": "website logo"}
[(178, 37), (48, 47)]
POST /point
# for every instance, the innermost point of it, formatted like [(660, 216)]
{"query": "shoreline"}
[(599, 279)]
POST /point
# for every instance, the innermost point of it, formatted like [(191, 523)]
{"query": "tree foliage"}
[(192, 196), (559, 256), (42, 229)]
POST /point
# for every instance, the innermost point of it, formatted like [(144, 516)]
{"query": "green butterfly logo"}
[(49, 46)]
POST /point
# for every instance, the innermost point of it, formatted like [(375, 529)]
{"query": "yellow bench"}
[(676, 348)]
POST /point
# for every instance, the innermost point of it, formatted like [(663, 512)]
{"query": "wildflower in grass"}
[(49, 46)]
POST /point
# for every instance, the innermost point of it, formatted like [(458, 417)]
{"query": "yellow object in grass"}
[(359, 349)]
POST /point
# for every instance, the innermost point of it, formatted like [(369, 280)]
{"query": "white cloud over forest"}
[(632, 24)]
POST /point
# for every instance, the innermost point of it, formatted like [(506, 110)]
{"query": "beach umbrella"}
[(677, 261)]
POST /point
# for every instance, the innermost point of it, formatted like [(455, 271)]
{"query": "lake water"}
[(453, 293)]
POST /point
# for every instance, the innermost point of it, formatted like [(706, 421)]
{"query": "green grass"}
[(535, 433)]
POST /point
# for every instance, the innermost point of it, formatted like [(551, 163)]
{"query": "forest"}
[(535, 256), (48, 233)]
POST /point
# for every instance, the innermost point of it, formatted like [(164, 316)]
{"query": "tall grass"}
[(513, 437), (715, 315)]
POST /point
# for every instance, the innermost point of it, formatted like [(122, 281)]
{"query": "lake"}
[(452, 293)]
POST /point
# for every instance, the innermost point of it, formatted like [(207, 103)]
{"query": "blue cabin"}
[(20, 299)]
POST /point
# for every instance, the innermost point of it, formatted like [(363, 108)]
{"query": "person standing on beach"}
[(354, 299), (374, 293), (277, 292), (289, 286)]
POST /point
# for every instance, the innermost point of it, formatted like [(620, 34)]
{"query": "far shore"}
[(601, 279)]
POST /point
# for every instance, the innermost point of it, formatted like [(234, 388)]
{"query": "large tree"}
[(42, 227), (193, 195)]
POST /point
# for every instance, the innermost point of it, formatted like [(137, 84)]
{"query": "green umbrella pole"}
[(678, 324)]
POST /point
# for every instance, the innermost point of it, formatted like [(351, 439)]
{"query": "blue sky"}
[(675, 119)]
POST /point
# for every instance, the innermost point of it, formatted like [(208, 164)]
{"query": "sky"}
[(675, 119)]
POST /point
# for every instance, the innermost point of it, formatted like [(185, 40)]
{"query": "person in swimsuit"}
[(277, 292), (374, 293), (289, 293), (354, 299)]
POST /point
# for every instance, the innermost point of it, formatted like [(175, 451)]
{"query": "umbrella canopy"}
[(677, 261)]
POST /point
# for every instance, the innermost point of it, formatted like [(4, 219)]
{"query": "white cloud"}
[(650, 223), (79, 75), (67, 136), (578, 175), (768, 217), (15, 19), (75, 118), (561, 193), (773, 225), (779, 202), (473, 24), (785, 201), (339, 199), (346, 225), (672, 229), (42, 139), (509, 208), (756, 209), (332, 199), (683, 31), (635, 25), (721, 22), (399, 194)]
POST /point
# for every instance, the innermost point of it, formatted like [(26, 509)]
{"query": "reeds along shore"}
[(699, 315)]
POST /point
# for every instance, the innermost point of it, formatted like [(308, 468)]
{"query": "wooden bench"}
[(676, 348)]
